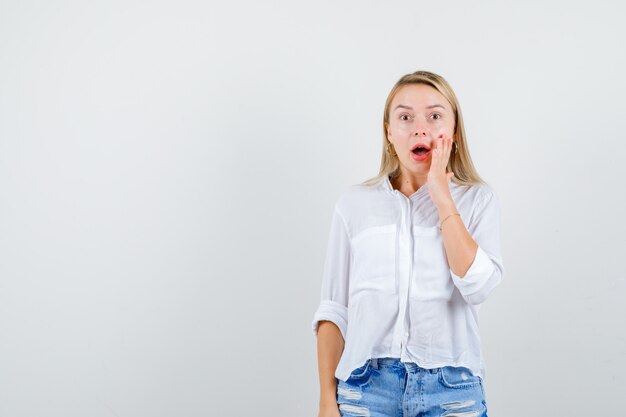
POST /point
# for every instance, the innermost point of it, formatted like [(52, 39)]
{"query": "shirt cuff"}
[(481, 269), (331, 311)]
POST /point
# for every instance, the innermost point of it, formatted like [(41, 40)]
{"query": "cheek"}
[(403, 129), (445, 130)]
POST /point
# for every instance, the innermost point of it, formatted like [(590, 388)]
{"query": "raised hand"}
[(438, 179)]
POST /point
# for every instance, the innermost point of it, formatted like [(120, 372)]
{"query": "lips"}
[(420, 151), (420, 148)]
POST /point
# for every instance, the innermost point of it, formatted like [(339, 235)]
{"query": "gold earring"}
[(390, 148)]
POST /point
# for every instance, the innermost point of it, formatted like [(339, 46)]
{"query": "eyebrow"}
[(411, 108)]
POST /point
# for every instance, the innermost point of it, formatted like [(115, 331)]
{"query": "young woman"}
[(412, 254)]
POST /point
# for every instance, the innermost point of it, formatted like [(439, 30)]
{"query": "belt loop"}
[(375, 363)]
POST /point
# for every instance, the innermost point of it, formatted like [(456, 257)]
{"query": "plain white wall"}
[(168, 172)]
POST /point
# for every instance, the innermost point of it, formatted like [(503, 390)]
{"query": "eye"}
[(438, 116), (402, 117)]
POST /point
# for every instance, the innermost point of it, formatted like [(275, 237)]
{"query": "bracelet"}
[(453, 214)]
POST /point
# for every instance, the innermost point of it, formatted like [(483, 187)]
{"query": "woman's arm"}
[(330, 346), (460, 246), (473, 253), (330, 320)]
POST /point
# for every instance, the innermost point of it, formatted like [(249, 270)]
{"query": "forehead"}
[(419, 95)]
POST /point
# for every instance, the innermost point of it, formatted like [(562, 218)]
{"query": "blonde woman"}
[(412, 254)]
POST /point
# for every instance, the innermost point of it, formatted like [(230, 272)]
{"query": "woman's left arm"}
[(473, 253), (460, 247)]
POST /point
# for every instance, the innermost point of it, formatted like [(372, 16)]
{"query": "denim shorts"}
[(390, 388)]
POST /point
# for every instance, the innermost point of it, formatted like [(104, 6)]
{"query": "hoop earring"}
[(390, 148)]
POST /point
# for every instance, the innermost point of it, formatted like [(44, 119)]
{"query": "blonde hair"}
[(460, 161)]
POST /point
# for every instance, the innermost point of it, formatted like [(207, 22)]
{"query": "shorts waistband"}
[(377, 363)]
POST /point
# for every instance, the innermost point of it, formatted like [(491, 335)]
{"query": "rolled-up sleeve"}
[(335, 279), (486, 270)]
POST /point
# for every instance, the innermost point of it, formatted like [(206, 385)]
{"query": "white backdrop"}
[(168, 172)]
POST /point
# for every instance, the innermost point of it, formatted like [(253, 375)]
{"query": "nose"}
[(420, 129)]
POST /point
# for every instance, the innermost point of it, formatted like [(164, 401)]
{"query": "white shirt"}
[(387, 284)]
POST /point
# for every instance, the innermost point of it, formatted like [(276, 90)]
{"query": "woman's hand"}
[(329, 410), (438, 178)]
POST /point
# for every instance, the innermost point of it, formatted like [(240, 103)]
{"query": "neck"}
[(408, 184)]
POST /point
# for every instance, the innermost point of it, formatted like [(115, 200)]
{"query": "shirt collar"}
[(386, 184)]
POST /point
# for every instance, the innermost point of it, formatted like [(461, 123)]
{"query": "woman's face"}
[(419, 114)]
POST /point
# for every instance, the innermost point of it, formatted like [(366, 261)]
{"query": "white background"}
[(168, 172)]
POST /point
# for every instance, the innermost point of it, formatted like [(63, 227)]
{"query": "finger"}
[(434, 165), (433, 160), (445, 157), (442, 154)]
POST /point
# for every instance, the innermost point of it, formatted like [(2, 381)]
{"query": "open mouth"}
[(420, 149)]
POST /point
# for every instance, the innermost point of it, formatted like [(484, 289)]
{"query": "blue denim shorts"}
[(390, 388)]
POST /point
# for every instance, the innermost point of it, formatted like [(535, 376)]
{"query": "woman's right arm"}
[(330, 321), (330, 345)]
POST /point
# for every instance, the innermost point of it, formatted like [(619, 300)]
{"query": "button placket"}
[(404, 271), (409, 236)]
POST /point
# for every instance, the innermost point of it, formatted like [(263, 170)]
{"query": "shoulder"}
[(483, 195), (355, 196), (472, 194), (484, 191)]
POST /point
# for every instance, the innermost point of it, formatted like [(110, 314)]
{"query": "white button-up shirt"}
[(387, 284)]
